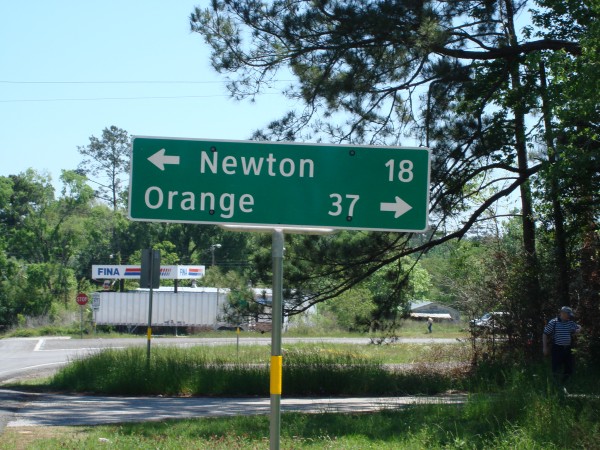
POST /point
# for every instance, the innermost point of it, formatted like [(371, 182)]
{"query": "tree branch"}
[(573, 48)]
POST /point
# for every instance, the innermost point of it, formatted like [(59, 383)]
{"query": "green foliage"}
[(571, 179), (8, 273), (462, 78), (168, 256), (351, 310), (43, 235), (241, 307), (457, 269)]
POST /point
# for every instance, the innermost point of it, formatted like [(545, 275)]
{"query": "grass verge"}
[(407, 329), (201, 371), (514, 420), (511, 406)]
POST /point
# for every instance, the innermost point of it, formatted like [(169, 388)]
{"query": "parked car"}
[(491, 321)]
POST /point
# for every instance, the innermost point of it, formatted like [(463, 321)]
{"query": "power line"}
[(119, 82), (122, 98), (126, 82)]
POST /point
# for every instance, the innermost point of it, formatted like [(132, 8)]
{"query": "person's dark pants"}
[(562, 362)]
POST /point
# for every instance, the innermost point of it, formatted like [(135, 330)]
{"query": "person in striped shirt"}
[(559, 333)]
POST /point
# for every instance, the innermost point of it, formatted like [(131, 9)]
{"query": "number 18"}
[(405, 170)]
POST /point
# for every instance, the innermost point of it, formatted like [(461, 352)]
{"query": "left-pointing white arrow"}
[(399, 207), (159, 159)]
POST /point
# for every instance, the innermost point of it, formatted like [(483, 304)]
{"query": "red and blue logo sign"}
[(133, 272)]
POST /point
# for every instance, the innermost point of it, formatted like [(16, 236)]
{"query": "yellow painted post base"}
[(276, 369)]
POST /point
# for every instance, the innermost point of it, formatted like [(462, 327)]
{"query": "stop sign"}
[(82, 298)]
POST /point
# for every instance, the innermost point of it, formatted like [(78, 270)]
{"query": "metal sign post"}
[(82, 300), (81, 321), (150, 278), (149, 329), (276, 357), (95, 307)]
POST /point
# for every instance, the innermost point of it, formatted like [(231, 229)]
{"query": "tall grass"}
[(172, 371), (199, 371)]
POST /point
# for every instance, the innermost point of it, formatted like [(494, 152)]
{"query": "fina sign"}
[(133, 272)]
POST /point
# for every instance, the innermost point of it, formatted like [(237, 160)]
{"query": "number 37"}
[(337, 204)]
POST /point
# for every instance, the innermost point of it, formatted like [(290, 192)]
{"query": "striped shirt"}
[(561, 331)]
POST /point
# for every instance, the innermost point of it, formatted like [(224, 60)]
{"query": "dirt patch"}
[(22, 438)]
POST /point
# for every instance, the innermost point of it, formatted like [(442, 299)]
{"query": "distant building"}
[(423, 309)]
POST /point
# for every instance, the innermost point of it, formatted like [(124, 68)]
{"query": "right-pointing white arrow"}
[(399, 207), (159, 159)]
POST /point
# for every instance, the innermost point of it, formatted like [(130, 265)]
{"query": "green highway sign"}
[(279, 184)]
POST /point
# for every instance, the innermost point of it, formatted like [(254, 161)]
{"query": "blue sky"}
[(54, 54)]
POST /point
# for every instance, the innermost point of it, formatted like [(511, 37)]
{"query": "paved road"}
[(23, 357), (20, 356), (22, 409)]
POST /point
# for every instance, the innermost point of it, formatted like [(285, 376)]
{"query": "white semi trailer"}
[(187, 307)]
